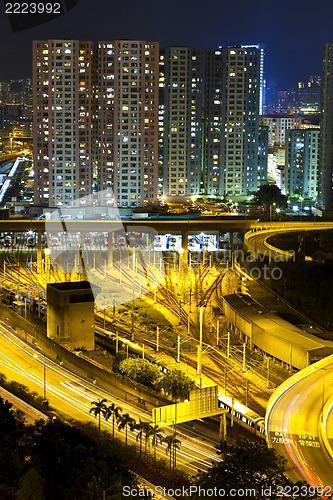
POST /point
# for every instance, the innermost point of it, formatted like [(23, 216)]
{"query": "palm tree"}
[(155, 433), (98, 407), (141, 427), (124, 421), (172, 443), (115, 411)]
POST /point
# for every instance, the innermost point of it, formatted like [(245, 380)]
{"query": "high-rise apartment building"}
[(180, 125), (325, 178), (64, 110), (277, 126), (233, 99), (128, 120), (301, 162), (212, 155), (262, 154)]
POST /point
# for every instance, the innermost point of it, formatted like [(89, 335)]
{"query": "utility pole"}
[(268, 367), (25, 318), (228, 346), (244, 358), (247, 393), (178, 348), (44, 384), (200, 348), (157, 338), (217, 332), (117, 342)]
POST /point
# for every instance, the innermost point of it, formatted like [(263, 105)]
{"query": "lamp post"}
[(25, 318), (47, 252), (44, 382), (270, 211), (314, 215), (200, 348), (180, 257), (301, 198)]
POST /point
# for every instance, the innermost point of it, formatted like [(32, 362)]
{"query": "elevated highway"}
[(299, 425), (256, 238)]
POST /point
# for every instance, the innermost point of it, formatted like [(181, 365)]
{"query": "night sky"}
[(291, 31)]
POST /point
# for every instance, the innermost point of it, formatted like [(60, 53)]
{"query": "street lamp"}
[(47, 252), (301, 207), (314, 215), (270, 211), (180, 257), (200, 349)]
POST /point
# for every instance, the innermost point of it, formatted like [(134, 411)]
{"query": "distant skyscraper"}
[(301, 162), (233, 97), (308, 96), (128, 120), (180, 126), (63, 104), (326, 132)]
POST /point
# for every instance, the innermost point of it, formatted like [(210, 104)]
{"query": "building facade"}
[(308, 96), (262, 154), (301, 163), (64, 109), (325, 179), (233, 99), (180, 125), (128, 120), (213, 169), (277, 126)]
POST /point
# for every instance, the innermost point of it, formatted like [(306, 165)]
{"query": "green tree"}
[(12, 460), (172, 444), (125, 421), (31, 486), (177, 384), (140, 426), (140, 370), (246, 464), (98, 408), (156, 434), (113, 410), (268, 194)]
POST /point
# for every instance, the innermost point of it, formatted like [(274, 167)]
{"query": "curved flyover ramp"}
[(256, 238), (299, 425)]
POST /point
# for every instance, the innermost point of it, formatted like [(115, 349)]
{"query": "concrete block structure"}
[(70, 313)]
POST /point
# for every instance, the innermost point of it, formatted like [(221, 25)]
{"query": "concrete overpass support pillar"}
[(39, 251), (110, 249), (231, 239), (185, 248)]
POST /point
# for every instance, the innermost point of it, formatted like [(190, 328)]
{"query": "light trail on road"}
[(73, 395), (294, 424)]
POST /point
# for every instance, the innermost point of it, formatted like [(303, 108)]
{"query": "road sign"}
[(203, 403)]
